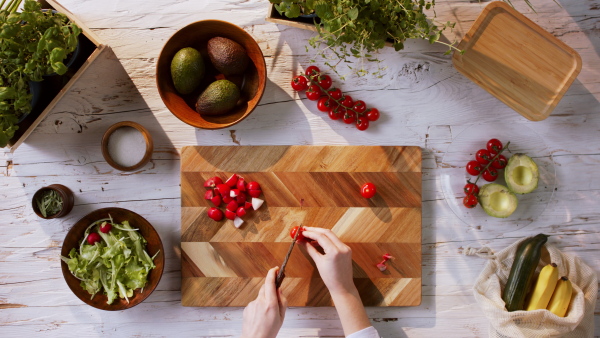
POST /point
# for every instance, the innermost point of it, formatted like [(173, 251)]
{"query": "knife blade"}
[(281, 274)]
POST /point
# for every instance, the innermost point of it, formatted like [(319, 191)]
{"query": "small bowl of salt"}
[(127, 146)]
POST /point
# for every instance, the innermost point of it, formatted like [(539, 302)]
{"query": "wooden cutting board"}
[(310, 186)]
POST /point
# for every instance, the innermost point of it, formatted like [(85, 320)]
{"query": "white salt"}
[(127, 146)]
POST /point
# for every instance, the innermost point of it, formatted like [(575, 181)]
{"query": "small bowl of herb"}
[(53, 201)]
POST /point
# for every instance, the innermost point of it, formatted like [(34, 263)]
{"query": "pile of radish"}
[(234, 194)]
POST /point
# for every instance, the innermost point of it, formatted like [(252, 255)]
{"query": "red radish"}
[(237, 222), (209, 194), (253, 186), (257, 203), (254, 193), (241, 184), (105, 227), (232, 181), (216, 200), (232, 206), (223, 189), (387, 256), (93, 238), (234, 192), (381, 267), (227, 199), (215, 214), (241, 212), (230, 214), (248, 205), (241, 198), (213, 182)]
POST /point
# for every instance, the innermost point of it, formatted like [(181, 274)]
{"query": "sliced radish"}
[(213, 182), (230, 214), (381, 267), (241, 212), (248, 205), (241, 184), (215, 214), (237, 222), (209, 194), (93, 238), (232, 206), (227, 199), (257, 203), (253, 186), (223, 189), (232, 181), (254, 193), (105, 227), (387, 256), (216, 200), (234, 192), (241, 198)]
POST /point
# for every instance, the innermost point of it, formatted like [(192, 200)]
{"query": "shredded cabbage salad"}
[(116, 265)]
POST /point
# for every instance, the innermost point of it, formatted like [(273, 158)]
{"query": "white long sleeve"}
[(369, 332)]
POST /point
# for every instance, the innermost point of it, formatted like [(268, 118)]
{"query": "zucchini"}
[(522, 271)]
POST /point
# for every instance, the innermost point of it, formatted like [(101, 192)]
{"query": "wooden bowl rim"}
[(138, 297), (262, 77), (147, 138)]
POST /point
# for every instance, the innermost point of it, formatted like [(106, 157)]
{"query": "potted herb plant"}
[(33, 43)]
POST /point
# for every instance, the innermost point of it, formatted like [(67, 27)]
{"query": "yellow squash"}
[(559, 304), (544, 287)]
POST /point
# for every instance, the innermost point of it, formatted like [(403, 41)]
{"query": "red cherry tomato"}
[(93, 238), (299, 83), (373, 114), (471, 189), (359, 106), (312, 71), (324, 81), (300, 236), (313, 92), (474, 168), (483, 156), (325, 104), (368, 190), (470, 201), (347, 101), (335, 93), (490, 174), (494, 146), (349, 117), (500, 162), (362, 123), (337, 113)]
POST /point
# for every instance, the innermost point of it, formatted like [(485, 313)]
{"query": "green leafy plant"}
[(33, 43), (49, 203)]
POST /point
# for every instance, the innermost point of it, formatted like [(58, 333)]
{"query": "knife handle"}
[(279, 279)]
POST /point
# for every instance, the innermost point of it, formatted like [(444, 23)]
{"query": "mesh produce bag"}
[(579, 321)]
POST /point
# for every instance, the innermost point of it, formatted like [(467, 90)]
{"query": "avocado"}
[(521, 174), (187, 70), (218, 98), (497, 201), (228, 56)]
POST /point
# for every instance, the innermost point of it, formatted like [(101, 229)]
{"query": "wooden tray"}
[(58, 87), (517, 61), (225, 266)]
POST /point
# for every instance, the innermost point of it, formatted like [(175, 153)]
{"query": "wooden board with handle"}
[(310, 186)]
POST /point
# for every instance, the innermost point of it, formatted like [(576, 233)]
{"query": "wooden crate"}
[(93, 49)]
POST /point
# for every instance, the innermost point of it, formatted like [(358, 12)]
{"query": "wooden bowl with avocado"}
[(218, 87)]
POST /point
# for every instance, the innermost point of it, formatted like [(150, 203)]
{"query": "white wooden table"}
[(424, 101)]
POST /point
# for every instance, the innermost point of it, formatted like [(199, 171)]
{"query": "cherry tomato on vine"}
[(313, 92), (500, 162), (362, 123), (373, 114), (312, 71), (325, 104), (349, 117), (337, 113), (299, 83), (300, 236), (324, 81), (474, 168), (347, 101), (368, 190), (359, 106), (490, 174), (483, 156), (494, 146), (470, 201), (335, 93), (471, 189)]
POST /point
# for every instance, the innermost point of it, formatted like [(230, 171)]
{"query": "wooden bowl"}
[(147, 137), (65, 193), (154, 244), (196, 35)]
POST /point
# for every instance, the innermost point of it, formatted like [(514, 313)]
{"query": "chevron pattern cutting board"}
[(311, 186)]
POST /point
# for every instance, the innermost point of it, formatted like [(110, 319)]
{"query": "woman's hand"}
[(263, 317), (335, 265)]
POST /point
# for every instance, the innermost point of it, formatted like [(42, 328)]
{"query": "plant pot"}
[(65, 194), (35, 88)]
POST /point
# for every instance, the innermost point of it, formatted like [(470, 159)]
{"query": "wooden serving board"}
[(517, 61), (310, 186)]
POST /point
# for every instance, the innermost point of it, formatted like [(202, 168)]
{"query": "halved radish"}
[(223, 189), (237, 222), (234, 192), (257, 203), (254, 193), (241, 198), (232, 181), (227, 199), (209, 194), (232, 206), (241, 184), (213, 182), (241, 212), (230, 214), (248, 205), (216, 200), (215, 214)]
